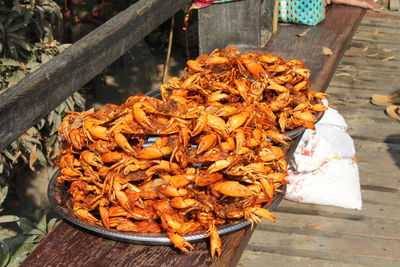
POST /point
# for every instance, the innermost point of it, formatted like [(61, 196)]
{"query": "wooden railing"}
[(35, 96)]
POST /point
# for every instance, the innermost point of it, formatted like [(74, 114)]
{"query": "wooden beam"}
[(244, 23), (35, 96), (58, 249)]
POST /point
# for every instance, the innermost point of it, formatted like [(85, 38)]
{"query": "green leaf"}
[(52, 224), (42, 224), (10, 62), (17, 36), (51, 140), (23, 44), (13, 243), (70, 103), (33, 132), (4, 257), (15, 78), (40, 124), (8, 218), (32, 66), (9, 155), (56, 122), (32, 139), (51, 115), (41, 158), (28, 146), (25, 225), (20, 254), (62, 47), (10, 19), (6, 233), (34, 231), (17, 27), (3, 194), (45, 58)]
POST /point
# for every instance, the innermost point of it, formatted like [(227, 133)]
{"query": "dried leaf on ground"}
[(373, 55), (386, 50), (303, 33), (365, 49), (343, 74), (389, 58), (33, 157), (327, 51)]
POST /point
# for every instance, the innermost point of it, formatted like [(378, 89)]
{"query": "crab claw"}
[(238, 120), (232, 188), (253, 214), (179, 242), (219, 165), (278, 137), (206, 142), (215, 240)]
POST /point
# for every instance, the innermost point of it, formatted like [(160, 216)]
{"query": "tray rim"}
[(143, 238)]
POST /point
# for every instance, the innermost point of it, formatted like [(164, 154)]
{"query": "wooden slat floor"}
[(312, 235)]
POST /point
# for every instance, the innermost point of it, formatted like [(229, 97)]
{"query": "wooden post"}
[(246, 23)]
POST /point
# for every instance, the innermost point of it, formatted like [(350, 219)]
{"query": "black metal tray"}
[(61, 202)]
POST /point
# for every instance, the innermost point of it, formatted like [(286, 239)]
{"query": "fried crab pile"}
[(206, 154)]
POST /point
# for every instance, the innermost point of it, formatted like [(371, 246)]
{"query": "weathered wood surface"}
[(69, 246), (394, 5), (313, 235), (35, 96), (333, 33), (241, 24)]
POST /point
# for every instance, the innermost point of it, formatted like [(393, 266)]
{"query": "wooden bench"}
[(36, 95)]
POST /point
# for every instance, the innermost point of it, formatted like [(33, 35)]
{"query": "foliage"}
[(40, 144), (18, 240), (26, 42), (25, 38), (24, 25)]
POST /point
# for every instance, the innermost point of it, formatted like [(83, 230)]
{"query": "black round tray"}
[(61, 202)]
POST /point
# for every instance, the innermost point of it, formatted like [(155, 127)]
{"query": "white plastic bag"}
[(322, 170), (335, 183)]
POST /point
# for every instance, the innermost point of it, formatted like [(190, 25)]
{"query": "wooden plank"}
[(343, 87), (350, 249), (67, 246), (360, 126), (383, 15), (244, 23), (379, 173), (370, 210), (333, 227), (394, 5), (255, 258), (335, 33), (380, 195), (35, 96)]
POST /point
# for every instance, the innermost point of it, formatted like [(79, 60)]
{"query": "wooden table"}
[(70, 246)]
